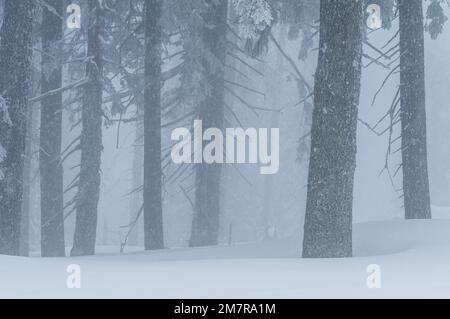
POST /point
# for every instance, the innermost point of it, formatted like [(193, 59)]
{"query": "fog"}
[(92, 103), (375, 197)]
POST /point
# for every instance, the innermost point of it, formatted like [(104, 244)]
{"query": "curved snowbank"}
[(414, 258)]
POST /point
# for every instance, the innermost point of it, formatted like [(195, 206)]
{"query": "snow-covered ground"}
[(414, 258)]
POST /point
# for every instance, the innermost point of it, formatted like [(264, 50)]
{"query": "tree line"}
[(127, 42)]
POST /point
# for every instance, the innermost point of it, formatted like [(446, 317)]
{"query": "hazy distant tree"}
[(212, 35), (15, 71), (413, 114), (328, 220), (27, 181), (91, 135), (50, 166), (29, 214), (136, 199), (153, 222)]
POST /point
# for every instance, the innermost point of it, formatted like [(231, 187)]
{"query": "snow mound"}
[(414, 258)]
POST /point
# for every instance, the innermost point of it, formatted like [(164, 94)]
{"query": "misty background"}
[(250, 201), (243, 192)]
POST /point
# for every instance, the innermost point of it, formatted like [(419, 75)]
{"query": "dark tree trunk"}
[(153, 221), (328, 221), (50, 166), (413, 114), (91, 138), (205, 224), (15, 73)]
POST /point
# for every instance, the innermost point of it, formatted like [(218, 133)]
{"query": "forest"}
[(287, 148)]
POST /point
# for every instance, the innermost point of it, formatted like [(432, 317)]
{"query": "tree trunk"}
[(50, 166), (273, 101), (328, 220), (205, 224), (91, 138), (153, 221), (26, 197), (31, 142), (413, 114), (136, 197), (15, 73)]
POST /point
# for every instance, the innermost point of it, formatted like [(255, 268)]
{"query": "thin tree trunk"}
[(413, 114), (50, 166), (136, 197), (153, 220), (205, 224), (91, 138), (33, 178), (28, 177), (26, 198), (274, 98), (328, 221), (15, 73)]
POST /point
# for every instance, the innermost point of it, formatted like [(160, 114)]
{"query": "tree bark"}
[(153, 220), (15, 73), (205, 224), (91, 138), (413, 113), (50, 166), (328, 220)]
